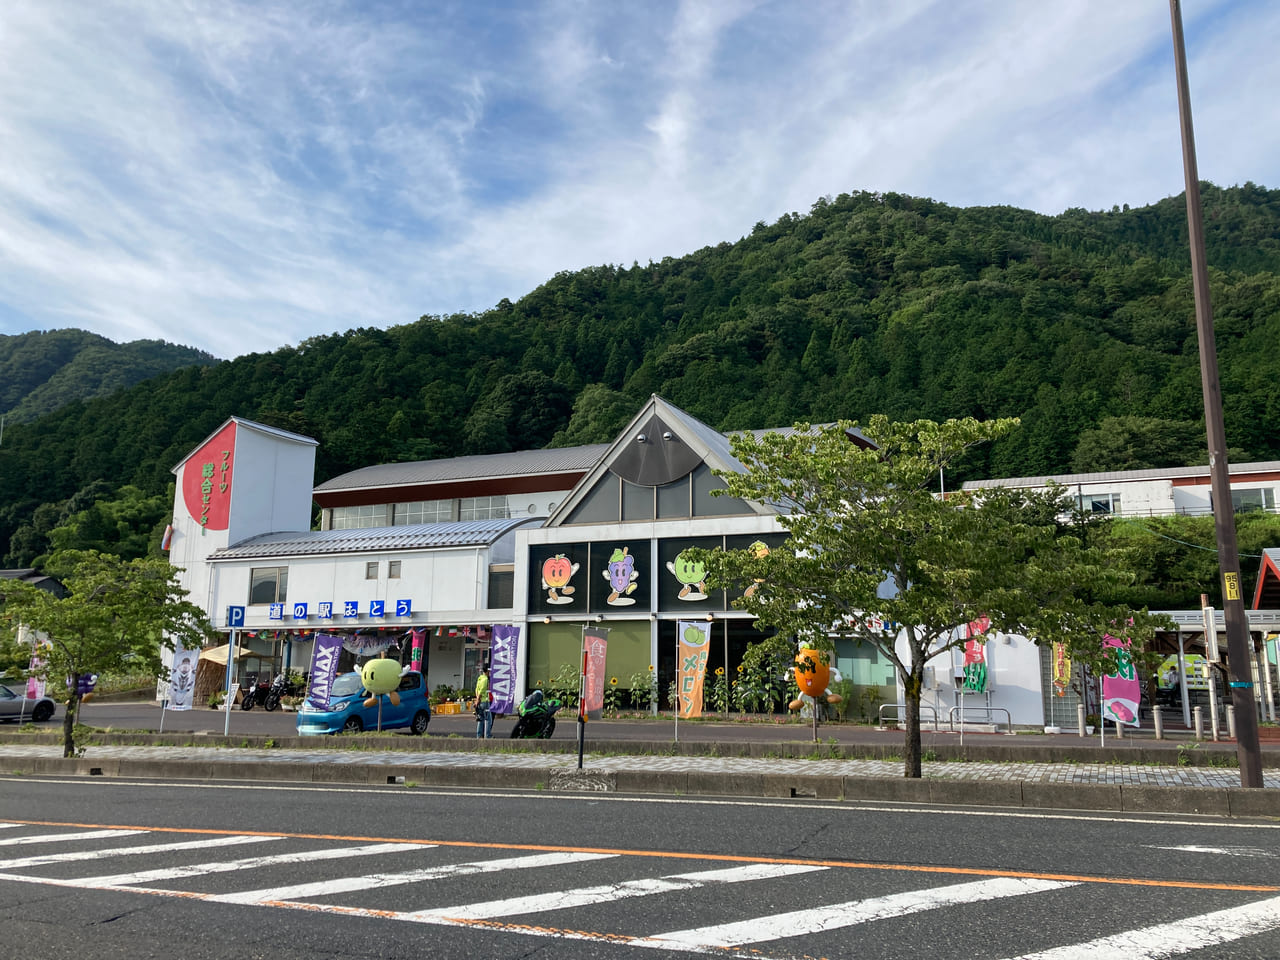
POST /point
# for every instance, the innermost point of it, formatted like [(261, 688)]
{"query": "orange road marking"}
[(684, 855)]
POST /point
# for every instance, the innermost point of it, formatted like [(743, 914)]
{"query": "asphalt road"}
[(304, 871)]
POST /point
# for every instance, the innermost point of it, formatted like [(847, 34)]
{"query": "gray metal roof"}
[(457, 533), (521, 463), (1119, 476)]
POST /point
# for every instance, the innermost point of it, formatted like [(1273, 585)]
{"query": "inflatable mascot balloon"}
[(812, 675), (379, 677)]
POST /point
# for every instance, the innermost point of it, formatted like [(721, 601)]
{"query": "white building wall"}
[(271, 491), (1013, 684)]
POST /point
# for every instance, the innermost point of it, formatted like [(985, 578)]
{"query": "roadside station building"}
[(437, 552)]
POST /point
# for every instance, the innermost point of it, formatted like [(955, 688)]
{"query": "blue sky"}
[(242, 176)]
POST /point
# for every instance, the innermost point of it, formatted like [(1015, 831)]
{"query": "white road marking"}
[(1175, 937), (587, 896), (128, 851), (1224, 851), (800, 923), (59, 837), (321, 888), (227, 866)]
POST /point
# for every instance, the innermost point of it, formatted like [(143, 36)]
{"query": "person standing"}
[(484, 710)]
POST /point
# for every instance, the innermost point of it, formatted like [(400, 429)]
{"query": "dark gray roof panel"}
[(458, 533), (522, 463)]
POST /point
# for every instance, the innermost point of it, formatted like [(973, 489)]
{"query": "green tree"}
[(1139, 443), (117, 615), (870, 544)]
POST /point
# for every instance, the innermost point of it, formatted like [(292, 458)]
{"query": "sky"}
[(242, 176)]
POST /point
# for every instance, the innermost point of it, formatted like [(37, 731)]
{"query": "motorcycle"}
[(279, 688), (537, 717), (254, 694)]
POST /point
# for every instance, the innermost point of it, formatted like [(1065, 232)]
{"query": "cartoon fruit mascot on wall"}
[(621, 574), (691, 574), (557, 571), (759, 550)]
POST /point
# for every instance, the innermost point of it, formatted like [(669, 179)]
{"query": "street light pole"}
[(1224, 522)]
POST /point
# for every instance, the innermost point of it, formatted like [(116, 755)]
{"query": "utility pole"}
[(1224, 521)]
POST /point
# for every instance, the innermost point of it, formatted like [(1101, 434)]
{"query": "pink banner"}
[(1121, 691), (595, 642), (418, 640)]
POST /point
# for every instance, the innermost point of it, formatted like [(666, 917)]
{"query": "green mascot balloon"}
[(379, 677)]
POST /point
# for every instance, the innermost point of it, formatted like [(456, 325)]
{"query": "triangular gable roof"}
[(702, 441), (240, 422), (1267, 594), (711, 446)]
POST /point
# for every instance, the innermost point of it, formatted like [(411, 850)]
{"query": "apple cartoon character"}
[(691, 574), (557, 571), (759, 550), (621, 574)]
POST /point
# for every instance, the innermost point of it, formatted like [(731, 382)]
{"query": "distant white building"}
[(1158, 492)]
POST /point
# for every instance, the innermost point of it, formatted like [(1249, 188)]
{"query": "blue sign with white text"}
[(404, 608)]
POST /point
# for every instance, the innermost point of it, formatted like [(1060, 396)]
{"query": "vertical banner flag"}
[(975, 655), (502, 668), (1061, 669), (595, 642), (182, 678), (1121, 691), (324, 667), (418, 639), (35, 685), (691, 664)]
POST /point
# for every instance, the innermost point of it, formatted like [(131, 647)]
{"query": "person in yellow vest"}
[(484, 711)]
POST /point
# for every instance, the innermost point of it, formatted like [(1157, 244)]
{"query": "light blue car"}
[(347, 713)]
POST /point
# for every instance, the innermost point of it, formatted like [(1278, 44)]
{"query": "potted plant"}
[(290, 704), (216, 699), (1090, 724)]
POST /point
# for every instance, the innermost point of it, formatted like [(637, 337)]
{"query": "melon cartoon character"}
[(621, 574), (379, 677), (557, 571), (691, 574), (759, 550)]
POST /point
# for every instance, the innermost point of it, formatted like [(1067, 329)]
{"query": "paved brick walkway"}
[(1104, 773)]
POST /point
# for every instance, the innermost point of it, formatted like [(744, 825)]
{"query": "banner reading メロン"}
[(691, 665)]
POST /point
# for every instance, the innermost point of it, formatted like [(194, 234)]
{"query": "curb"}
[(1171, 754), (1113, 798)]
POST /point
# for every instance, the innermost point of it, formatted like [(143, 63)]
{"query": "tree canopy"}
[(116, 615), (874, 553)]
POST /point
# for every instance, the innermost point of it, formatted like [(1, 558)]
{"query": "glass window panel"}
[(673, 500), (637, 501), (705, 505)]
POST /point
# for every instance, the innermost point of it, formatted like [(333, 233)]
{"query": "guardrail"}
[(903, 706), (951, 716)]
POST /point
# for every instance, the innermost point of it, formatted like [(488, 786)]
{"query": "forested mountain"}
[(1082, 324), (41, 371)]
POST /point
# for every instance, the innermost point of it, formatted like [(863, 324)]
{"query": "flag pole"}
[(582, 697)]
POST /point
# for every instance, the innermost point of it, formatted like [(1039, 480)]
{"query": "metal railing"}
[(903, 706), (951, 716)]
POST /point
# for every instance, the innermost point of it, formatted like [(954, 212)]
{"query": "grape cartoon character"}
[(379, 677), (759, 550), (557, 571), (691, 574), (621, 574)]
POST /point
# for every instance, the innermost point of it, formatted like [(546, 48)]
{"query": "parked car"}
[(347, 713), (17, 707)]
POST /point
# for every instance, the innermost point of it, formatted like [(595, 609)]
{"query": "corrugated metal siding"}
[(370, 539)]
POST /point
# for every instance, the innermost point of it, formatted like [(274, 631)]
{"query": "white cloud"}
[(239, 176)]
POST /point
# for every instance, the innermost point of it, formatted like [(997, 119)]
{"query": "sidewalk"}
[(652, 767)]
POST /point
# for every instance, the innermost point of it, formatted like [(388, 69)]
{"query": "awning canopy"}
[(219, 654)]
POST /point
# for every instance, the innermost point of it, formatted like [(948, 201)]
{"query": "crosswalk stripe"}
[(60, 837), (587, 896), (129, 851), (227, 866), (799, 923), (322, 888), (1175, 937)]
